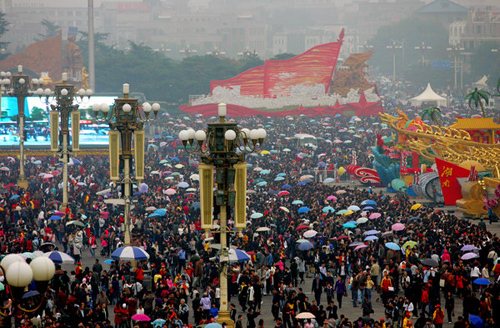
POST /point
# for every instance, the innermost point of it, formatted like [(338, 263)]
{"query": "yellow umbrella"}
[(348, 212), (179, 166), (265, 152), (283, 208), (416, 206)]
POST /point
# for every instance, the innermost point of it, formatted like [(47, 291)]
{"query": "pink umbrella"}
[(360, 247), (105, 215), (398, 227), (48, 176), (283, 193), (56, 172), (331, 197), (170, 191), (141, 317), (375, 216)]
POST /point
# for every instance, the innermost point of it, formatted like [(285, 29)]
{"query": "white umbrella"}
[(263, 229), (195, 177), (305, 315), (310, 233)]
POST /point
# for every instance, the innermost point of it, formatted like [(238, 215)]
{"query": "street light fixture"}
[(126, 122), (18, 275), (456, 49), (222, 146), (20, 86), (65, 98), (423, 48), (394, 47)]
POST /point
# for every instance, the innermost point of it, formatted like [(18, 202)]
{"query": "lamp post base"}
[(22, 183), (225, 318), (63, 207)]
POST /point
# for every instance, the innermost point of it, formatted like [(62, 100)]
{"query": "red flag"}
[(448, 174)]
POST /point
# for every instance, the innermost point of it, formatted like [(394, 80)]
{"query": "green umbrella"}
[(410, 244), (175, 174), (77, 223)]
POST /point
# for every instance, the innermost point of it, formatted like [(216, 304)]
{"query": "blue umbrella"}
[(368, 208), (305, 246), (154, 215), (174, 159), (55, 217), (349, 225), (130, 253), (476, 321), (481, 281), (160, 212), (286, 186), (279, 179), (297, 202), (249, 165), (302, 183), (322, 164), (137, 193), (74, 161), (262, 183), (370, 238), (31, 293), (256, 215), (281, 175), (265, 172), (303, 209), (371, 232), (237, 255), (328, 209), (109, 261), (369, 202), (213, 325), (14, 197), (59, 257), (393, 246)]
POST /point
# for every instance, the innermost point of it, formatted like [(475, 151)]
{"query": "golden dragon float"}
[(468, 143)]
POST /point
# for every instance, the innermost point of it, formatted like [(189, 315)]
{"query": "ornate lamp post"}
[(65, 97), (222, 146), (18, 275), (126, 122), (19, 86), (394, 47), (456, 49), (423, 48)]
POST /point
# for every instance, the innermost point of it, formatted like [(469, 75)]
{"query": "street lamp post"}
[(65, 97), (456, 49), (17, 276), (222, 146), (19, 86), (423, 48), (126, 122), (394, 47)]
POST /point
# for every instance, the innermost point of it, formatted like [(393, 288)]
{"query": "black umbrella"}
[(429, 262)]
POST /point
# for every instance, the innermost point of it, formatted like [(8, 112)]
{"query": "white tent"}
[(482, 83), (428, 97)]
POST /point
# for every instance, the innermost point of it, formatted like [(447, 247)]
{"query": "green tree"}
[(476, 98), (4, 28), (38, 114), (433, 113), (285, 55), (50, 29)]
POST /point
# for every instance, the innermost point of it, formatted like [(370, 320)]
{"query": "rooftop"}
[(476, 124), (440, 7)]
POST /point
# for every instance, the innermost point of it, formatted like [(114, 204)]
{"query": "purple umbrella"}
[(469, 256), (468, 248), (143, 188)]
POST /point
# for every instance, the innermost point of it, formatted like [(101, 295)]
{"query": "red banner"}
[(448, 174)]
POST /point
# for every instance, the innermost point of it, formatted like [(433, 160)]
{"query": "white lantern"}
[(9, 259), (19, 274), (43, 268)]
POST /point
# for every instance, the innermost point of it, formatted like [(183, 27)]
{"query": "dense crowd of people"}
[(416, 272)]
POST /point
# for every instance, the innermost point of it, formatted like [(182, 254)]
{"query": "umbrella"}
[(393, 246), (368, 202), (130, 253), (283, 208), (31, 293), (297, 202), (150, 208), (349, 225), (286, 186), (342, 237), (328, 181), (481, 281), (354, 208), (328, 209), (398, 226), (48, 176), (55, 217), (360, 247), (76, 223), (141, 317), (262, 183), (370, 238), (263, 229), (469, 256), (14, 197), (305, 315), (237, 255), (265, 172), (28, 255), (161, 212), (375, 216), (342, 212), (59, 257), (213, 325), (158, 323), (361, 220), (305, 246), (2, 286), (387, 233), (416, 207), (59, 213), (331, 197), (468, 248), (300, 241), (371, 232), (300, 227), (281, 174), (368, 208), (170, 191), (303, 209), (194, 177), (476, 321), (410, 244), (356, 243), (283, 193), (256, 215), (183, 185), (305, 177), (310, 233), (430, 262), (279, 179), (109, 261)]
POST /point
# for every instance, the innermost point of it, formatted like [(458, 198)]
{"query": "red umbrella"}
[(141, 317), (283, 193), (342, 237), (301, 227)]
